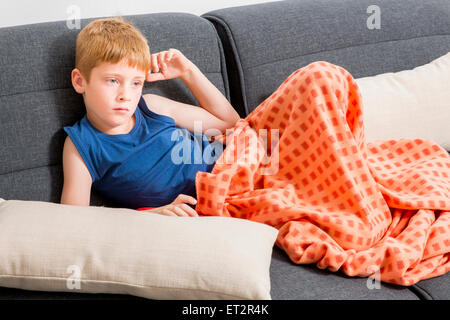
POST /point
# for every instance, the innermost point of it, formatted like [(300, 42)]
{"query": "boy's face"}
[(112, 95)]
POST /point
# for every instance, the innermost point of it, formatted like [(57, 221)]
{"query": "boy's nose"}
[(124, 94)]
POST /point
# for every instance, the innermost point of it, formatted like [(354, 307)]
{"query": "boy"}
[(122, 146)]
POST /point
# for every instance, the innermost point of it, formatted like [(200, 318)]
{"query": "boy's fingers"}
[(167, 212), (161, 62), (186, 198), (155, 67), (189, 210), (160, 59), (180, 212), (154, 77), (173, 52)]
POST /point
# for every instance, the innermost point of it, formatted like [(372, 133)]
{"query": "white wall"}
[(17, 12)]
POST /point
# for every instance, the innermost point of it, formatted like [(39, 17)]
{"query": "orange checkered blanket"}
[(299, 162)]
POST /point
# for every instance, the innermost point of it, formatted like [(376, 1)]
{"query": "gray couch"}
[(246, 52)]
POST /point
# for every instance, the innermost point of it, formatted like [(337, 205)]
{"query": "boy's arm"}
[(77, 179), (187, 116), (208, 96), (215, 112)]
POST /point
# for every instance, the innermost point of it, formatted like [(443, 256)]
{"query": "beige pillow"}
[(409, 104), (54, 247)]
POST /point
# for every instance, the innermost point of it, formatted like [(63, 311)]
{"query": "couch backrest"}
[(37, 98), (265, 43)]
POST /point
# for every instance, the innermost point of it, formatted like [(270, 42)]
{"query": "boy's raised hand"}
[(168, 65), (178, 207)]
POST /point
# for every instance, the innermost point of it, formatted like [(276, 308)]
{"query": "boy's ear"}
[(78, 81)]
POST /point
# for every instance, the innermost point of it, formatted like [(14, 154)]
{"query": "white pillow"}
[(55, 247), (409, 104)]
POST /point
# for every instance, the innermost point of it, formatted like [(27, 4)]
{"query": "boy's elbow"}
[(232, 118), (233, 121), (74, 198), (74, 202)]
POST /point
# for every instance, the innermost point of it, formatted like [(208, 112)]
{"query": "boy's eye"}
[(136, 83)]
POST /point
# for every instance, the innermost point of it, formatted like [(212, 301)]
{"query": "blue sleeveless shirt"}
[(149, 166)]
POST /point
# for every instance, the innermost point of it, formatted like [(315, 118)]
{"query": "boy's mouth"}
[(121, 109)]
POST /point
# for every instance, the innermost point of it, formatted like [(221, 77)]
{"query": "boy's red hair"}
[(111, 40)]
